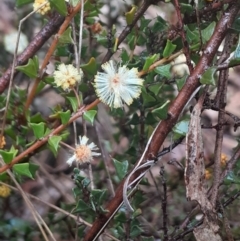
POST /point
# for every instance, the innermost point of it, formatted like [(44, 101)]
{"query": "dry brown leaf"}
[(195, 175)]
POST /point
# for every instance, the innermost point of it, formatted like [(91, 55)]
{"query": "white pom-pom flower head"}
[(116, 86), (67, 76), (84, 152)]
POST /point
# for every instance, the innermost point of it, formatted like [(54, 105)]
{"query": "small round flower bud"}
[(4, 191), (2, 142)]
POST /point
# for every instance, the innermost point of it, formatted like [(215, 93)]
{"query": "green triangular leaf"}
[(99, 195), (169, 48), (150, 119), (102, 38), (121, 168), (135, 231), (159, 25), (161, 112), (88, 5), (234, 62), (38, 129), (90, 115), (53, 142), (26, 169), (124, 56), (60, 6), (65, 116), (180, 82), (164, 70), (130, 15), (192, 36), (10, 132), (74, 102), (120, 217), (36, 118), (31, 68), (66, 37), (186, 8), (149, 61), (81, 207), (208, 32), (8, 156), (208, 76), (90, 67), (132, 42), (147, 98)]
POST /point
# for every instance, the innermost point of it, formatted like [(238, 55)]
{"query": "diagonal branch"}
[(220, 102), (44, 140), (39, 40), (163, 129)]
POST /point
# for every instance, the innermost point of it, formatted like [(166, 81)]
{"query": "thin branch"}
[(166, 150), (80, 31), (13, 66), (39, 40), (225, 222), (164, 205), (160, 62), (230, 164), (229, 167), (36, 216), (220, 102), (231, 199), (180, 28), (128, 29), (80, 220), (190, 228), (44, 140), (52, 180), (104, 157), (50, 52), (77, 60), (210, 8)]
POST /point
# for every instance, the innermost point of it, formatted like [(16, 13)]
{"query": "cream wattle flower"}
[(117, 86), (44, 9), (67, 76), (84, 152)]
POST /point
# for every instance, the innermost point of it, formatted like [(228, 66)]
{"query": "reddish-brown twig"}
[(183, 36), (44, 140), (51, 49)]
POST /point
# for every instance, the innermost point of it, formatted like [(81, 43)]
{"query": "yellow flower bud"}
[(44, 9), (2, 142), (4, 191)]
